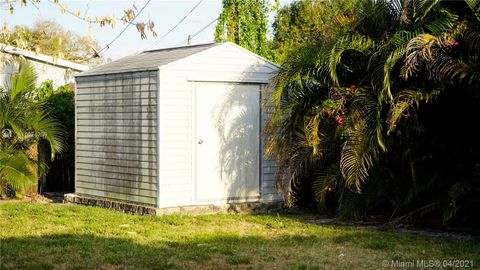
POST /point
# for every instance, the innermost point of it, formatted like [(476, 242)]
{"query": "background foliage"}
[(245, 22), (60, 104), (50, 38), (310, 22)]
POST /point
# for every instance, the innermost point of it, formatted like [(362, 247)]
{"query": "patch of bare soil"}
[(47, 197), (36, 198)]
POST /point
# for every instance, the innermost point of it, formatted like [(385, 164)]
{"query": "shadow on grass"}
[(71, 251), (88, 251)]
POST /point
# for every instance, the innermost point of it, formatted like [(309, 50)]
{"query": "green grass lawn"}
[(56, 236)]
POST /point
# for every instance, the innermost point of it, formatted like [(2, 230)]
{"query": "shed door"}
[(227, 142)]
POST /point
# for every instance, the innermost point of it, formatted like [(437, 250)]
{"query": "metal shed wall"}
[(116, 136), (269, 164)]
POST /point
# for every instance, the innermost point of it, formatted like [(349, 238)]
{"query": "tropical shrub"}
[(370, 123), (23, 123)]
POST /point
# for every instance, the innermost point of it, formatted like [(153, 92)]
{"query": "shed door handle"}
[(200, 141)]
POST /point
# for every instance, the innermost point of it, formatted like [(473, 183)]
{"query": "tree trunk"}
[(44, 159)]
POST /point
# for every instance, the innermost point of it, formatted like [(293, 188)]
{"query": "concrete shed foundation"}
[(138, 209)]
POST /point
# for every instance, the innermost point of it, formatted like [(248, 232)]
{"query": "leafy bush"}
[(60, 103), (379, 122)]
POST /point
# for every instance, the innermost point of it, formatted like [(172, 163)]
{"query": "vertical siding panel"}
[(269, 166), (175, 168), (157, 137), (116, 152)]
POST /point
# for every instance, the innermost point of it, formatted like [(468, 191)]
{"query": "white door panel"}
[(227, 142)]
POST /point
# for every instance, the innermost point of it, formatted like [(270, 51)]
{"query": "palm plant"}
[(23, 123), (341, 108)]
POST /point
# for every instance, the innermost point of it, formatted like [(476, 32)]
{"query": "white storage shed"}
[(175, 127)]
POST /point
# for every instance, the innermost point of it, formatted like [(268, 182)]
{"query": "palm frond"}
[(405, 100), (392, 60), (443, 22), (396, 6), (422, 8), (419, 50), (52, 131), (23, 81), (12, 116), (326, 181), (402, 37), (366, 114), (293, 166), (475, 7), (16, 170), (446, 69), (471, 39), (363, 138), (352, 42), (378, 18), (356, 159)]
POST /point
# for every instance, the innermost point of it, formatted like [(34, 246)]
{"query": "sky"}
[(165, 14)]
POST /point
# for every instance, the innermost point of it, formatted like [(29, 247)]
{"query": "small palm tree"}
[(23, 123)]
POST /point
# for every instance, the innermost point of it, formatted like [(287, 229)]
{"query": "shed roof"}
[(4, 48), (148, 60)]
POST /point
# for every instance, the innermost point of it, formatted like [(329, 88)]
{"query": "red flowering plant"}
[(449, 39), (334, 105)]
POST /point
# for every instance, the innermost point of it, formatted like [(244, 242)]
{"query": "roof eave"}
[(88, 74), (42, 58), (255, 55)]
